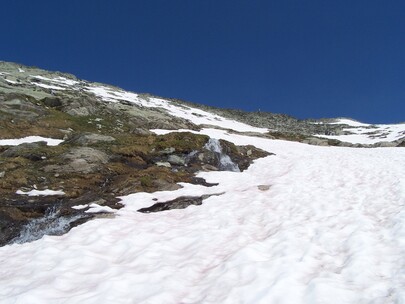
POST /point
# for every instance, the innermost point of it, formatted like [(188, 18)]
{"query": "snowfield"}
[(362, 133), (329, 229), (311, 224)]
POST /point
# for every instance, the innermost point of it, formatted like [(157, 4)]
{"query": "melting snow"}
[(47, 86), (79, 207), (349, 122), (196, 116), (369, 134), (46, 192), (330, 229), (11, 81), (96, 208), (30, 139), (60, 80)]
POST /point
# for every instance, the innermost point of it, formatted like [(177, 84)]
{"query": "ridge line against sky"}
[(308, 60)]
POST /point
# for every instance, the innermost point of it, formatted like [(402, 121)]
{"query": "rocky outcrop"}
[(178, 203), (99, 167), (109, 150), (82, 160)]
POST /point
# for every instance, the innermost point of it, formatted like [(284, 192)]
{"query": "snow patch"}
[(96, 208), (45, 192), (30, 139), (47, 86), (11, 81)]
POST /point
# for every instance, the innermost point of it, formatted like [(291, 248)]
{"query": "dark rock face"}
[(202, 182), (53, 102), (178, 203), (20, 107)]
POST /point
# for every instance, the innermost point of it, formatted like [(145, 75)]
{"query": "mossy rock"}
[(183, 142)]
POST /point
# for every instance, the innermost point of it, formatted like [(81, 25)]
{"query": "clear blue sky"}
[(308, 59)]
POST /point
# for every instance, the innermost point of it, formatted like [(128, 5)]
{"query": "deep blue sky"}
[(309, 59)]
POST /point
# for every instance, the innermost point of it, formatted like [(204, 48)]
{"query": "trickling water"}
[(225, 162), (50, 224)]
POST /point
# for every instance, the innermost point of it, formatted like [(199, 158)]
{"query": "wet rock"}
[(200, 181), (181, 202), (205, 157), (176, 160), (178, 203), (243, 156)]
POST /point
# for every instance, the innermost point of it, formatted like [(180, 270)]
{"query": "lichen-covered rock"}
[(32, 151), (80, 160), (176, 160), (88, 139)]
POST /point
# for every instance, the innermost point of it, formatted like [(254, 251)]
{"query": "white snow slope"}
[(331, 229), (361, 133)]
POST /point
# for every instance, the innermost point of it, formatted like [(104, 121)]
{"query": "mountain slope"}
[(39, 84), (301, 224)]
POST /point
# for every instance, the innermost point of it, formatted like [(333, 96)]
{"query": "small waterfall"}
[(52, 223), (225, 162)]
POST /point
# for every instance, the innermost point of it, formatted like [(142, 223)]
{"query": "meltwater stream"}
[(52, 223), (225, 162)]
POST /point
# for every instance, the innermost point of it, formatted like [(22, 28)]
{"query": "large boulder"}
[(20, 106), (31, 151), (80, 160)]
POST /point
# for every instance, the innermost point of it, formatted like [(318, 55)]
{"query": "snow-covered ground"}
[(197, 116), (330, 229), (368, 134), (308, 225)]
